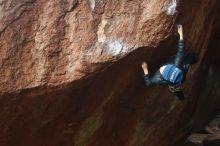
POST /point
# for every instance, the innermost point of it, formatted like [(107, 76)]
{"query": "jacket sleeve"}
[(180, 53), (156, 79), (148, 80)]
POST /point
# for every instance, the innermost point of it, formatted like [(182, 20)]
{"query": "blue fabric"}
[(173, 74)]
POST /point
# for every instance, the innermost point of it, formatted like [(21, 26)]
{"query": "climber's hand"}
[(180, 31), (145, 67)]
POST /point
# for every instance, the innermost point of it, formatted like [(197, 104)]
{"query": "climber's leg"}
[(179, 95)]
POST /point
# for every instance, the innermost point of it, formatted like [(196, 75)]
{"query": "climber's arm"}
[(152, 81), (181, 47), (147, 78)]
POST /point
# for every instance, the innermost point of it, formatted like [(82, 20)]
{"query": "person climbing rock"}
[(172, 74)]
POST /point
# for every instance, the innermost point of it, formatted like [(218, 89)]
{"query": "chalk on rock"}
[(171, 9)]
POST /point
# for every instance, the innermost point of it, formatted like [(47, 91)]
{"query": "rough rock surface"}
[(70, 72), (210, 136), (56, 42)]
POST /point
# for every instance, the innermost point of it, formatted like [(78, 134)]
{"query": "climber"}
[(172, 74)]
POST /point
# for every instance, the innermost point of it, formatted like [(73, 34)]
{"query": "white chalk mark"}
[(171, 10), (92, 4), (117, 48)]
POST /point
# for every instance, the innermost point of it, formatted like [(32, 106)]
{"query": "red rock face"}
[(49, 43), (70, 72)]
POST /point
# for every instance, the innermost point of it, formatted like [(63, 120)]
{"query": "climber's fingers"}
[(180, 28), (144, 65)]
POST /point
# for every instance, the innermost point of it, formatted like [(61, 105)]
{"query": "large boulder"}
[(56, 42), (70, 71)]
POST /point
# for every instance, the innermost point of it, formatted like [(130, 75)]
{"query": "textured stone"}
[(70, 71), (56, 42), (213, 140), (209, 138)]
